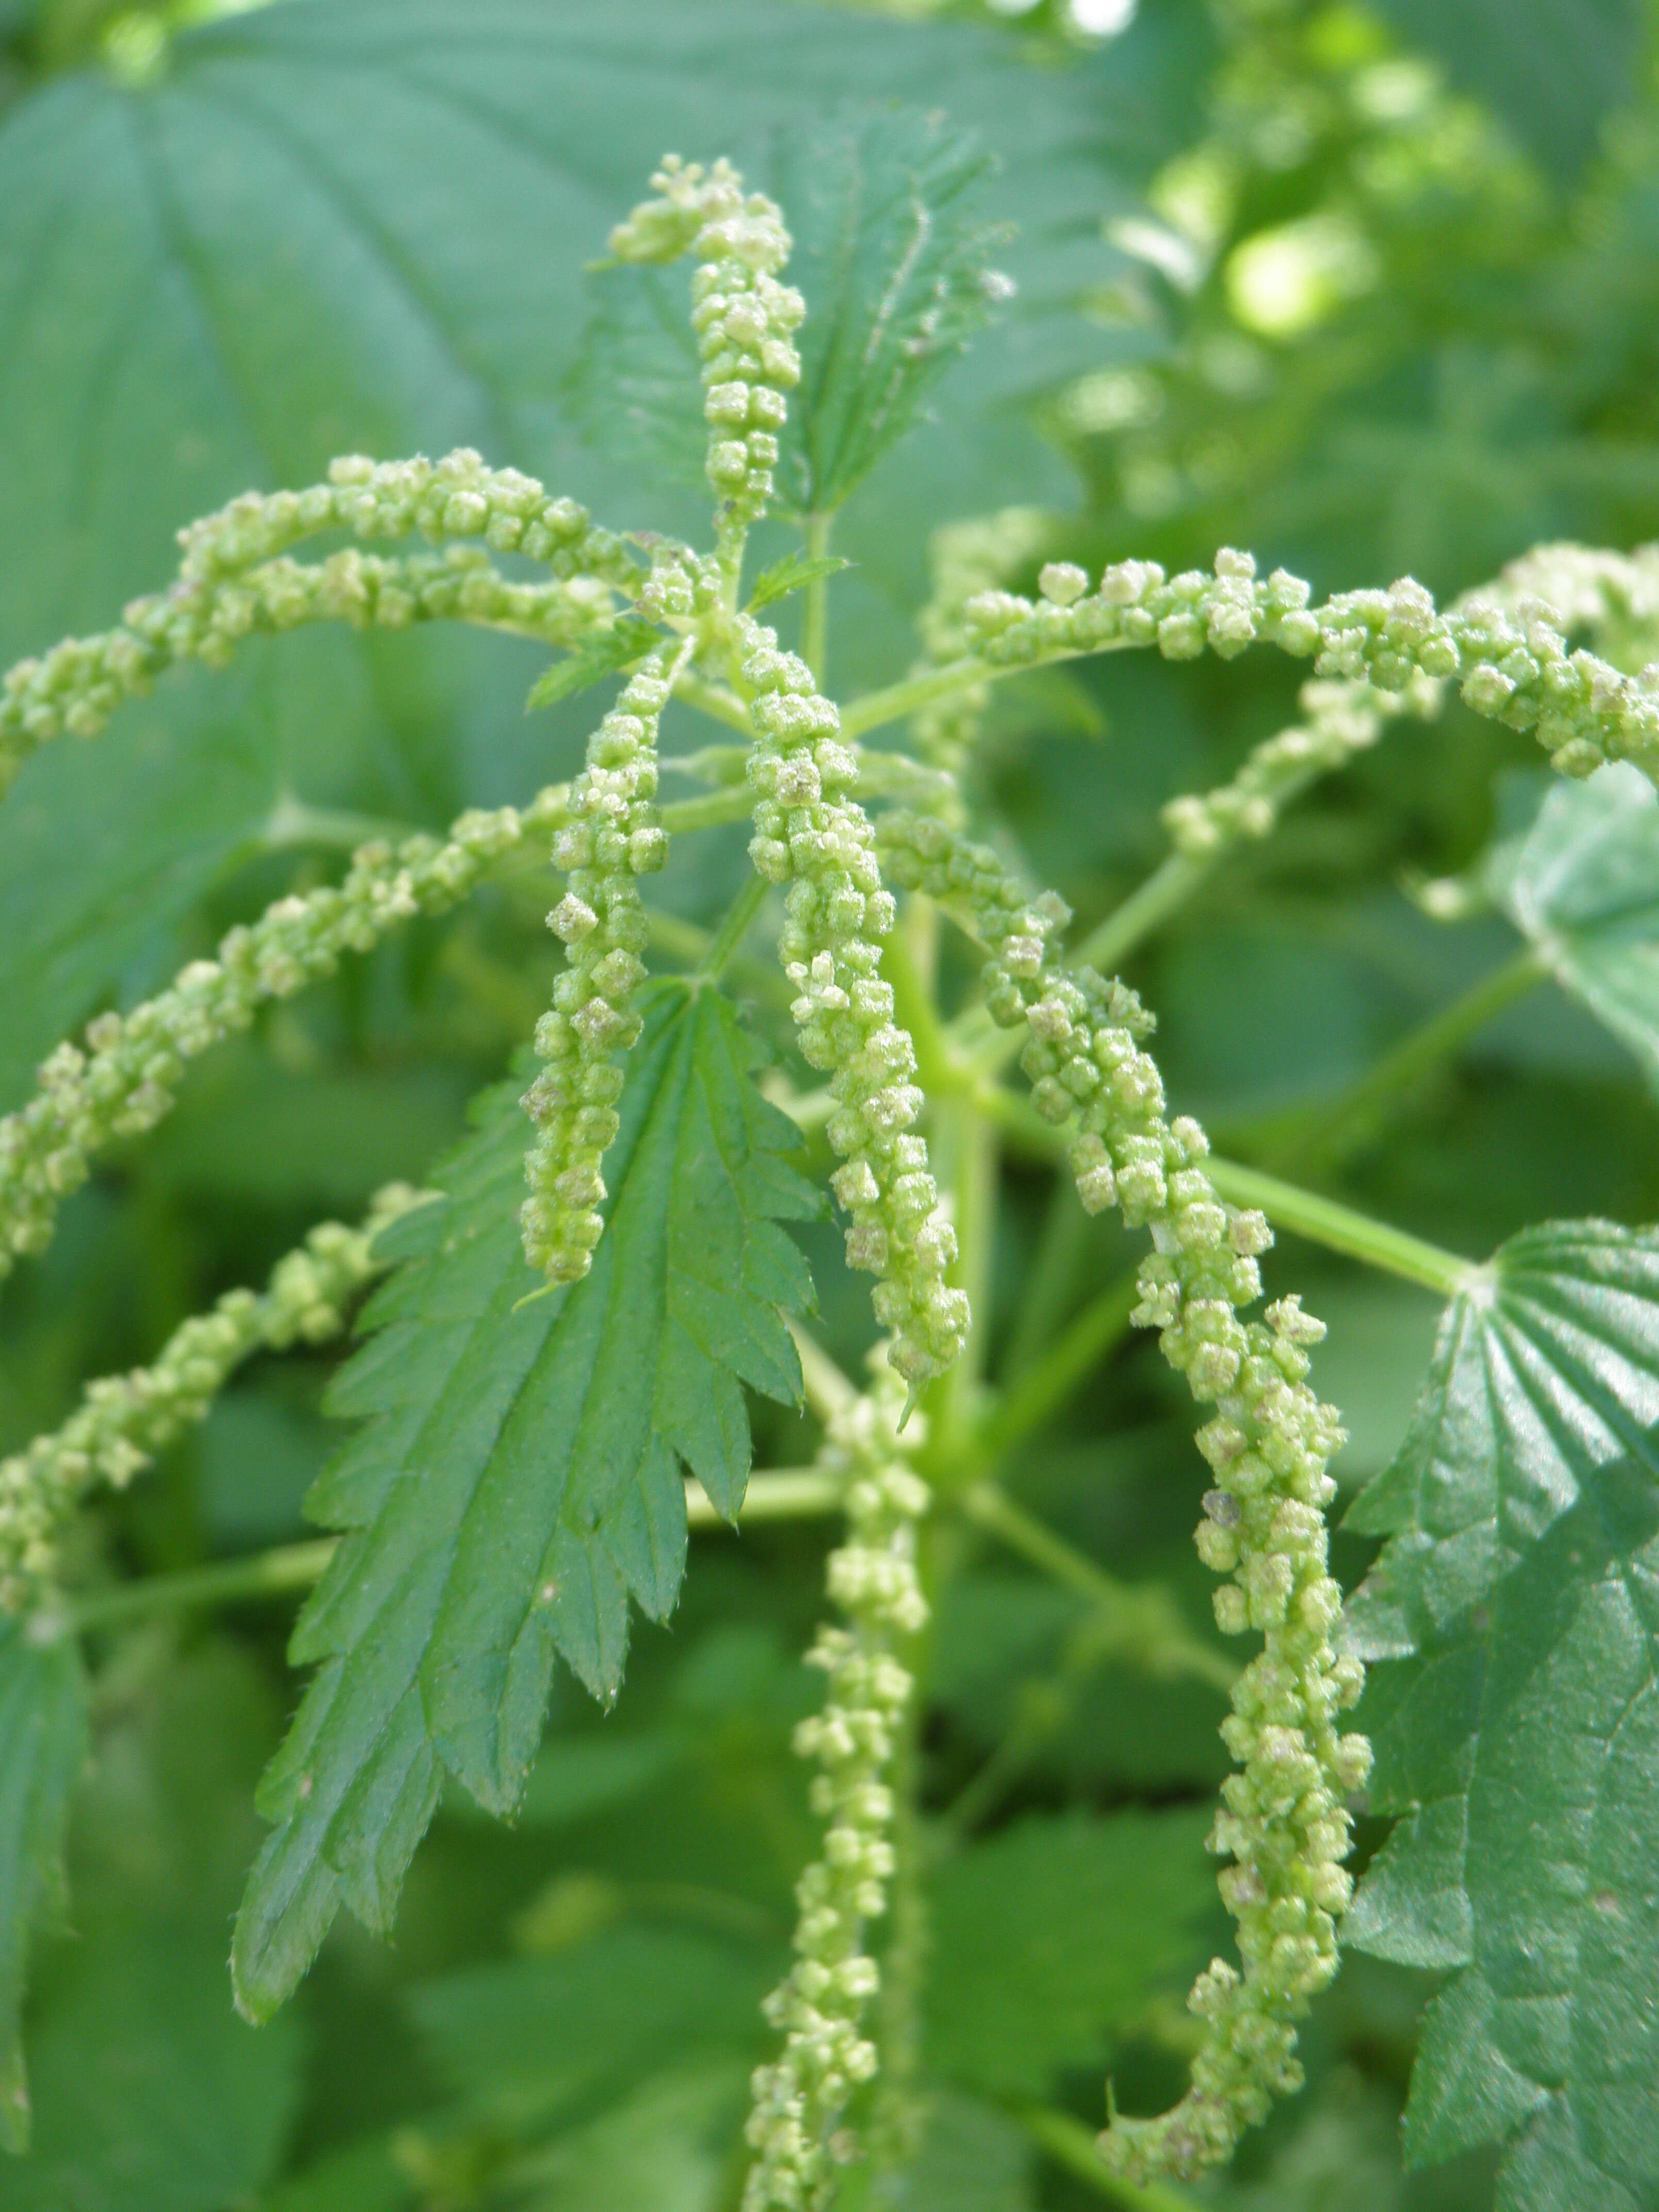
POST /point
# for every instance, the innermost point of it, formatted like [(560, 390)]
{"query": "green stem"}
[(1320, 1220), (1102, 1323), (969, 1166), (815, 613), (1071, 2145), (277, 1573), (735, 927), (1341, 1127), (790, 1493), (1169, 887), (1145, 1624), (895, 701), (714, 701), (1340, 1229), (732, 805)]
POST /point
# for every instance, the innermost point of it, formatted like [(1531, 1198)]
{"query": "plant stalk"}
[(1332, 1135), (815, 611)]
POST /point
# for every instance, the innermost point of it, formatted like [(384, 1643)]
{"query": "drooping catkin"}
[(795, 2122), (612, 837), (1284, 1821), (124, 1420), (233, 584), (812, 834)]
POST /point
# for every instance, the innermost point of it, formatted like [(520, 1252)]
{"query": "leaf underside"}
[(42, 1731), (1583, 885), (518, 1478), (1514, 1611)]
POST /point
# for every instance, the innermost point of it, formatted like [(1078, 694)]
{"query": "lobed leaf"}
[(1583, 885), (42, 1733), (518, 1480), (1516, 1607), (792, 574), (607, 650)]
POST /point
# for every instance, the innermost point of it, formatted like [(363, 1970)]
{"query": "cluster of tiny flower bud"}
[(124, 1079), (1284, 1820), (811, 833), (231, 585), (1339, 719), (744, 318), (1512, 666), (1615, 596), (612, 837), (796, 2125), (967, 558), (124, 1420)]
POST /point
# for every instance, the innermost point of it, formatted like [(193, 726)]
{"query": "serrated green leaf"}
[(792, 574), (518, 1477), (42, 1732), (609, 650), (1049, 1938), (1516, 1607), (893, 254), (1583, 885)]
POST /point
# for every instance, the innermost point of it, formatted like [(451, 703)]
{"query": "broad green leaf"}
[(229, 275), (1552, 69), (538, 2039), (1515, 1610), (792, 574), (149, 2095), (625, 640), (1048, 1938), (226, 276), (42, 1725), (972, 2158), (518, 1476), (153, 2097), (1583, 885), (893, 253)]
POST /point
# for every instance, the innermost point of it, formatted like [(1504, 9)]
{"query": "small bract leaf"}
[(626, 639), (518, 1479), (1515, 1720), (792, 574)]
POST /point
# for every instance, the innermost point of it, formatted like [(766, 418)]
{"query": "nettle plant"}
[(551, 1390)]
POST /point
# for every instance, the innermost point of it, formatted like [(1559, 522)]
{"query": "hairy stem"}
[(815, 611), (1341, 1229), (789, 1493)]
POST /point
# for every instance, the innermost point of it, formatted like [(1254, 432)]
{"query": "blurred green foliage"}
[(1370, 289)]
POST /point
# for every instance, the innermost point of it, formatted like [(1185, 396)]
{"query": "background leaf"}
[(1049, 1935), (519, 1480), (42, 1726), (1583, 885), (1520, 1739), (1552, 69)]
